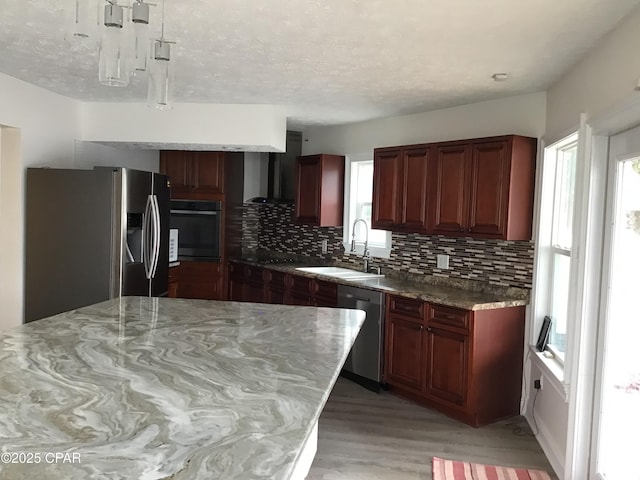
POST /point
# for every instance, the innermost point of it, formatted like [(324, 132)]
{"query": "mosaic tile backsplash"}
[(269, 229)]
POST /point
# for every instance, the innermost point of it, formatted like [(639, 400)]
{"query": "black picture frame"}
[(543, 338)]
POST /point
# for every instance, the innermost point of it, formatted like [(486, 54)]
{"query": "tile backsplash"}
[(269, 229)]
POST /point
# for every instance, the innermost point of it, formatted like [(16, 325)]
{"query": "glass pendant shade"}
[(160, 87), (82, 17), (113, 67), (140, 20)]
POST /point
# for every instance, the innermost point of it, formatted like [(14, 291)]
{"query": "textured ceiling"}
[(328, 61)]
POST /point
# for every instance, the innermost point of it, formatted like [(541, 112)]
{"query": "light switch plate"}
[(442, 261)]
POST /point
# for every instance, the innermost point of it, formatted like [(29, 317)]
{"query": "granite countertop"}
[(152, 388), (444, 291)]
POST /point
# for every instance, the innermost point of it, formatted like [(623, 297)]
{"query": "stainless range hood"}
[(282, 170)]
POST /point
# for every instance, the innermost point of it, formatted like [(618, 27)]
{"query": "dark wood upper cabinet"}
[(387, 188), (194, 175), (176, 165), (415, 176), (480, 188), (449, 196), (489, 188), (207, 170), (319, 198)]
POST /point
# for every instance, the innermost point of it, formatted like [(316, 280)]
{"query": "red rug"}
[(453, 470)]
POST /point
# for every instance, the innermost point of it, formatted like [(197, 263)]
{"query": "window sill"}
[(553, 372)]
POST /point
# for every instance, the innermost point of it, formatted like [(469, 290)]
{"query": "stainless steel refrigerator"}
[(92, 235)]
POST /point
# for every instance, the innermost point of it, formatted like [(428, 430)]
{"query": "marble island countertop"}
[(163, 388), (458, 293)]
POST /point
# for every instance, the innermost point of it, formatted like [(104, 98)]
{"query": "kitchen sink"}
[(338, 272)]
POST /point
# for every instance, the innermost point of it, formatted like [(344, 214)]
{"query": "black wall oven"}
[(199, 231)]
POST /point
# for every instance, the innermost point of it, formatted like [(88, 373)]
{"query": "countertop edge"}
[(466, 305)]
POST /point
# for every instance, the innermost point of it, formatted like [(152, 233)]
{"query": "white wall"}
[(523, 115), (187, 126), (48, 122), (11, 238), (602, 81)]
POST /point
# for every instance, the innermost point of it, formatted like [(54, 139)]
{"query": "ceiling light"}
[(121, 30), (500, 77)]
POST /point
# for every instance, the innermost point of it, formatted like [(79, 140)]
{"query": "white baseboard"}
[(551, 449)]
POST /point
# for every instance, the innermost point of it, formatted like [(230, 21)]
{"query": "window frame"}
[(375, 250), (546, 251)]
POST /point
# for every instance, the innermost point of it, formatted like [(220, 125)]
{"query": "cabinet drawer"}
[(201, 270), (301, 284), (454, 317), (407, 307), (277, 281)]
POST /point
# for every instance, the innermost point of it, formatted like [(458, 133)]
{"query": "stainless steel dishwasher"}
[(364, 363)]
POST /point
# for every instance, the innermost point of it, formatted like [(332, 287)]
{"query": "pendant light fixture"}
[(121, 29), (140, 19), (82, 19), (113, 69), (160, 86)]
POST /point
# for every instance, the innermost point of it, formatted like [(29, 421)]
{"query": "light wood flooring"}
[(369, 436)]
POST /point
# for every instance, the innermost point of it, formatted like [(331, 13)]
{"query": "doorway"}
[(616, 419)]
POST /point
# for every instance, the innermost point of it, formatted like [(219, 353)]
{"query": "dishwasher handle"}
[(366, 300)]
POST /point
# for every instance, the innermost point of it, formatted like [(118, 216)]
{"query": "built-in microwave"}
[(199, 229)]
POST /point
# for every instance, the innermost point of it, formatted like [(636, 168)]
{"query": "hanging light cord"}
[(162, 28)]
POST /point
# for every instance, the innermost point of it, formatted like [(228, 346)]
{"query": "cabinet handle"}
[(429, 329), (420, 328)]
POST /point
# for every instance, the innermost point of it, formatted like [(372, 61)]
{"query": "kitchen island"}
[(152, 388)]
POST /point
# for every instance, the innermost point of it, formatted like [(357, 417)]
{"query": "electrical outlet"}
[(324, 246), (442, 261)]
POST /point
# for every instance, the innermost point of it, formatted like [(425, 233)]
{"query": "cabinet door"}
[(387, 187), (176, 165), (202, 280), (414, 194), (447, 365), (404, 353), (489, 189), (308, 172), (207, 172), (449, 200), (301, 290), (276, 296), (253, 292)]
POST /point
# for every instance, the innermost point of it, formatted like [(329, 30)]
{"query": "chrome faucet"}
[(365, 254)]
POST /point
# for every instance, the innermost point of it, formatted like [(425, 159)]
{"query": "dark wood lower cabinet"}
[(248, 283), (404, 352), (204, 280), (447, 365), (467, 364)]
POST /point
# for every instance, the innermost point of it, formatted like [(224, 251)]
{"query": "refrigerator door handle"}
[(155, 208), (146, 234)]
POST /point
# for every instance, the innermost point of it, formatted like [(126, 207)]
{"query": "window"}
[(359, 197), (556, 238)]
